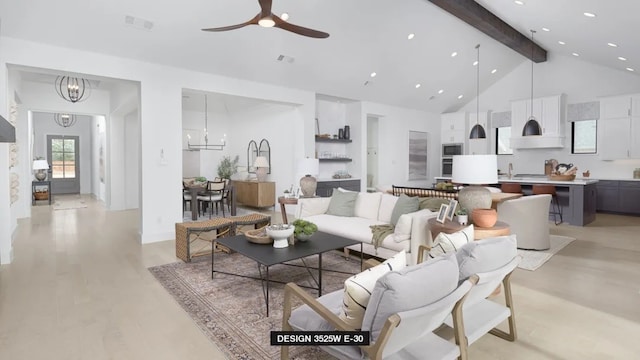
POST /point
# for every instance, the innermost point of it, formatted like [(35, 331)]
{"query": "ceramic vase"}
[(484, 218), (308, 185), (347, 132), (462, 219), (340, 133)]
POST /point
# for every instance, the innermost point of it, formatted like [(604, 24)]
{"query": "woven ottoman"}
[(195, 238), (249, 222)]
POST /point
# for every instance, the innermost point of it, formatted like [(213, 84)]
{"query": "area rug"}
[(533, 259), (68, 204), (230, 310)]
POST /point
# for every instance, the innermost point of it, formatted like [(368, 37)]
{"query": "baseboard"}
[(158, 237)]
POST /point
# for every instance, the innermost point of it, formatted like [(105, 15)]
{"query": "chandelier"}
[(65, 120), (73, 89), (206, 145)]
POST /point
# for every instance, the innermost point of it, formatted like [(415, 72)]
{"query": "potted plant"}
[(304, 229), (462, 216), (228, 167)]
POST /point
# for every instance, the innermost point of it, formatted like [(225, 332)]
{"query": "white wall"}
[(160, 118), (394, 124), (44, 125), (132, 160), (581, 82)]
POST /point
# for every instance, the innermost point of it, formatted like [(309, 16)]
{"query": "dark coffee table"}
[(267, 255)]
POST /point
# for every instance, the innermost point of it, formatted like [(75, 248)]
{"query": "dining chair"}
[(211, 196)]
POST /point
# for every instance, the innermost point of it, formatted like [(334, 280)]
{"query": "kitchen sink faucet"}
[(510, 169)]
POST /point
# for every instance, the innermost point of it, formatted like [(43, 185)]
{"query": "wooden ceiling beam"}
[(484, 20)]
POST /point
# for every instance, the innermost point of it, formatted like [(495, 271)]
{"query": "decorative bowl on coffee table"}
[(280, 234)]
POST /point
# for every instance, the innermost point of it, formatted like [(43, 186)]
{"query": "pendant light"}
[(532, 127), (477, 131)]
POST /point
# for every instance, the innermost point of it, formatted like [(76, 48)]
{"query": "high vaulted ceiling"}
[(366, 36)]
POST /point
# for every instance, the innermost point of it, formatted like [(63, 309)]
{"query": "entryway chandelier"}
[(206, 145), (73, 89), (65, 120)]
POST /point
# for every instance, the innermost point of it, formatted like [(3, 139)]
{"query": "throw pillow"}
[(342, 203), (450, 243), (387, 202), (402, 230), (486, 255), (357, 289), (404, 205), (367, 205)]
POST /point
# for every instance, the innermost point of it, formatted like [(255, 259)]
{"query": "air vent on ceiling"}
[(287, 59), (138, 23)]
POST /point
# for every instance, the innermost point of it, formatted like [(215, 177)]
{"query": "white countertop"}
[(614, 179), (536, 180)]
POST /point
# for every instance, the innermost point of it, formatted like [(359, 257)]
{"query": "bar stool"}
[(511, 188), (551, 190)]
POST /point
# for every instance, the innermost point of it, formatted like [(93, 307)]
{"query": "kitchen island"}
[(577, 198)]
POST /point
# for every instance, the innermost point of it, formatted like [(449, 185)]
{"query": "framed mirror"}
[(265, 150), (252, 154)]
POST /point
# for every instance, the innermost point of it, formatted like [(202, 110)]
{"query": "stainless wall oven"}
[(447, 166)]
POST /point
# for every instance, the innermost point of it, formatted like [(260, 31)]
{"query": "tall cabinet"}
[(619, 127)]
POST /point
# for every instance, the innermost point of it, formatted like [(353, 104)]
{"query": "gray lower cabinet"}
[(325, 188), (622, 197), (629, 197)]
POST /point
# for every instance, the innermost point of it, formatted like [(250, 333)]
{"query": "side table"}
[(499, 229), (35, 184), (286, 201)]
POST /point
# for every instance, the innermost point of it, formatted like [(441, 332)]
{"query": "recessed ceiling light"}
[(284, 16), (612, 44), (454, 54), (545, 29), (440, 91), (494, 71), (411, 36), (561, 42), (588, 14), (460, 96), (519, 2), (630, 69), (575, 54), (475, 63), (418, 86), (622, 58), (373, 74)]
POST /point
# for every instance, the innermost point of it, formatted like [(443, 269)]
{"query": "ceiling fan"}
[(266, 18)]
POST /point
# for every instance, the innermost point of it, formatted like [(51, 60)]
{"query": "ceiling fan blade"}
[(265, 5), (253, 21), (298, 29)]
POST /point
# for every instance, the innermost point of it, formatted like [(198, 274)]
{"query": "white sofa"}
[(411, 231)]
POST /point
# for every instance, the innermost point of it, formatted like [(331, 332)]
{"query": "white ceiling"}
[(366, 36)]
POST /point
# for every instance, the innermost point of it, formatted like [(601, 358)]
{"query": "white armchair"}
[(528, 218)]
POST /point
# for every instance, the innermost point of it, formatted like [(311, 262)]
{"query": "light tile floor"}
[(79, 289)]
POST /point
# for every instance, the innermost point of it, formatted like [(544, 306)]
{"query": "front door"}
[(62, 152)]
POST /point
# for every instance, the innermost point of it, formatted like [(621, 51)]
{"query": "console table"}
[(35, 184), (255, 193)]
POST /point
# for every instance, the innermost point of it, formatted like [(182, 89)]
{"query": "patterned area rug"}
[(231, 311), (68, 204), (533, 259)]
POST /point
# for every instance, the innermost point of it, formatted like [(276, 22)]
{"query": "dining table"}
[(195, 189)]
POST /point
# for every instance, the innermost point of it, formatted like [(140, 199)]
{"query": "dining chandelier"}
[(206, 145), (65, 120), (73, 89)]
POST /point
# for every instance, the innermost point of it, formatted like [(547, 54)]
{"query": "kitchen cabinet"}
[(619, 127), (549, 111), (479, 146), (607, 196), (453, 128), (629, 197), (325, 188)]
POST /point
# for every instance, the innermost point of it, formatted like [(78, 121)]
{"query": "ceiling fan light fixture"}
[(266, 22)]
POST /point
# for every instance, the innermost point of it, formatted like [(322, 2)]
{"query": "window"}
[(583, 137), (503, 141), (64, 158)]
